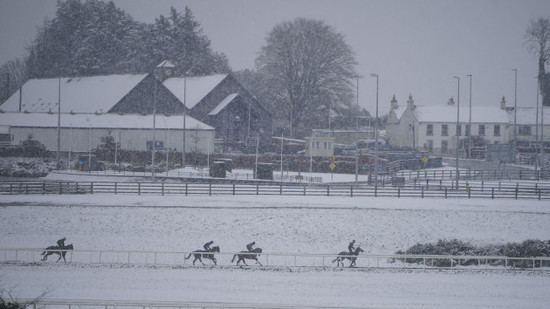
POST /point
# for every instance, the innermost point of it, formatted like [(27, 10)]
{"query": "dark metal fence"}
[(426, 189)]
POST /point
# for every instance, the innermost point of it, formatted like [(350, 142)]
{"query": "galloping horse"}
[(61, 251), (251, 255), (199, 254), (347, 255)]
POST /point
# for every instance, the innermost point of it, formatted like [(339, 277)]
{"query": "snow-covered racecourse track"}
[(301, 225)]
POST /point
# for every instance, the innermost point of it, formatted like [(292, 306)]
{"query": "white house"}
[(434, 128)]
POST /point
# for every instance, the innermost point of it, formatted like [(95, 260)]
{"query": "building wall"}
[(84, 139), (321, 146)]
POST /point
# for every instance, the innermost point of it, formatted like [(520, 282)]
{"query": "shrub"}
[(526, 249)]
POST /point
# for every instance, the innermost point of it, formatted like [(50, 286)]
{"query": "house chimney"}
[(503, 103), (451, 102), (393, 103), (410, 102)]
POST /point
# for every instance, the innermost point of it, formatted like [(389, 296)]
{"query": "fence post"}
[(351, 190), (43, 188), (115, 188), (92, 187), (280, 189), (517, 189), (445, 192), (328, 190), (304, 190), (492, 193), (233, 189), (210, 189), (162, 188), (257, 189), (60, 188), (139, 188), (11, 188), (422, 192), (186, 188), (398, 192)]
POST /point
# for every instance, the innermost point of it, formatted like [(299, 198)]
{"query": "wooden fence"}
[(426, 189)]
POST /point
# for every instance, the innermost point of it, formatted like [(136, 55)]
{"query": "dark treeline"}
[(93, 37)]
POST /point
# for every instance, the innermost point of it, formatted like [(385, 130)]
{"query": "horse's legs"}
[(244, 262), (258, 262), (214, 260), (60, 255)]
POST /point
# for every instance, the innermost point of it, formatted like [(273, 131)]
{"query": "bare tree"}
[(310, 68), (537, 39)]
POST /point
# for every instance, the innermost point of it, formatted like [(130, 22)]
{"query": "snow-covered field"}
[(277, 224)]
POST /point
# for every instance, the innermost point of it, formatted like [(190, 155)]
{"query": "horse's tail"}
[(336, 259), (232, 260), (187, 257)]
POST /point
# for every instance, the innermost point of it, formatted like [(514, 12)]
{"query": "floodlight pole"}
[(514, 149), (357, 137), (376, 138), (154, 127), (470, 123), (58, 123), (184, 117), (457, 126)]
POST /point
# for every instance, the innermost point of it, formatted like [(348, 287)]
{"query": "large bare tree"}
[(310, 69), (537, 38)]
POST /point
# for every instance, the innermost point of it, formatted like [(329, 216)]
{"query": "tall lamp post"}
[(470, 122), (376, 138), (357, 137), (184, 117), (457, 126), (514, 149)]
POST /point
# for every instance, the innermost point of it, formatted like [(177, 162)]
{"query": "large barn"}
[(93, 107), (213, 108)]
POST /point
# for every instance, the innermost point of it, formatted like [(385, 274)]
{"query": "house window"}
[(481, 130), (467, 130), (326, 145), (496, 130), (459, 130), (524, 130), (430, 130), (430, 145), (444, 146), (444, 130)]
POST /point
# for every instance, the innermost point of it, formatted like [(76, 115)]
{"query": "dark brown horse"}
[(200, 254), (61, 251), (347, 255), (251, 255)]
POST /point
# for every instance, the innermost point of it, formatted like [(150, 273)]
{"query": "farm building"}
[(213, 108), (93, 107)]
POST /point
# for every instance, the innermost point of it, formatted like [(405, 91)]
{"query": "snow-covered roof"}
[(399, 111), (79, 94), (528, 116), (447, 114), (196, 87), (114, 121), (223, 104)]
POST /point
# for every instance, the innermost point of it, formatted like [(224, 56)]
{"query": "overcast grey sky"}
[(415, 46)]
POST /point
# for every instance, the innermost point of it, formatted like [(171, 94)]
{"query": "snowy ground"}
[(277, 224)]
